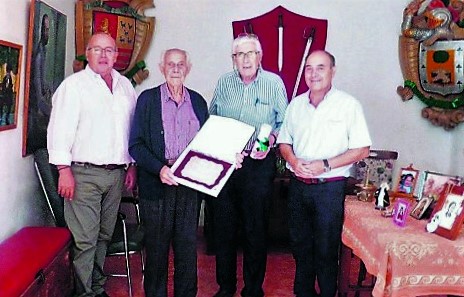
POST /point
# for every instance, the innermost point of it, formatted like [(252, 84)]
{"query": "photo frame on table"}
[(406, 182), (421, 207), (45, 70), (431, 184), (10, 73), (448, 215), (400, 212)]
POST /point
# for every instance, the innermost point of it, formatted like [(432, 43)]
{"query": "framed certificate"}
[(209, 160)]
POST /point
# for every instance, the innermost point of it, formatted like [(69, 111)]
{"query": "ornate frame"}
[(431, 59), (125, 21)]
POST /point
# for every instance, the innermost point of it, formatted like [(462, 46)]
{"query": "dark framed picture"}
[(406, 182), (432, 184), (448, 215), (10, 73), (401, 211), (45, 62), (421, 207)]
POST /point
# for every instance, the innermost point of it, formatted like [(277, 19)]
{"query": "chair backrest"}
[(48, 177), (378, 167)]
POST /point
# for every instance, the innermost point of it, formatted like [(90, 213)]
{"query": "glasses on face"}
[(109, 51), (242, 55)]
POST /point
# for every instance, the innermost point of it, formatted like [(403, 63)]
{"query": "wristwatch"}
[(327, 167)]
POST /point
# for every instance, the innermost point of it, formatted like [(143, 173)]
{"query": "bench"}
[(35, 261)]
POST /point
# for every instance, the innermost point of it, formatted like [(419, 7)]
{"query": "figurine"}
[(382, 200)]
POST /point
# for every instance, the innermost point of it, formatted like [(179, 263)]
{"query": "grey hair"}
[(241, 39)]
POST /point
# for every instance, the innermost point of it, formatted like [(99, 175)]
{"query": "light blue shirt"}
[(262, 101)]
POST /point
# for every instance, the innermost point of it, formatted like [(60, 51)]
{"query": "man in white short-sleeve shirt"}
[(324, 132)]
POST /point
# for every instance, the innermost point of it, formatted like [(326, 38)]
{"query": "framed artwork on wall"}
[(10, 73), (45, 63)]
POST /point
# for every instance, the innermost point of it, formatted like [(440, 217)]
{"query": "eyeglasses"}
[(247, 35), (98, 50), (242, 55)]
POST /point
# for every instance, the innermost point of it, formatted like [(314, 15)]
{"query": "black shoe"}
[(102, 294), (223, 293)]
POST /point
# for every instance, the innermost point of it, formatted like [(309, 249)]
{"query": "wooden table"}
[(407, 261)]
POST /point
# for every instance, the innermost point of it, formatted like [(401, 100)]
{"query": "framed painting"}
[(432, 184), (45, 63), (448, 217), (10, 73)]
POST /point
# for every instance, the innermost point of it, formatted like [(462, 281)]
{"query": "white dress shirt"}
[(88, 122), (335, 126)]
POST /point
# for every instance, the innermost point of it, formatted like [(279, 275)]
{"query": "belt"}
[(104, 166), (317, 181)]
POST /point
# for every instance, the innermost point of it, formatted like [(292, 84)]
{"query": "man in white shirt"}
[(88, 142), (324, 132)]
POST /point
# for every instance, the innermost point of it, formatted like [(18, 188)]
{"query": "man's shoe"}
[(102, 294), (223, 293)]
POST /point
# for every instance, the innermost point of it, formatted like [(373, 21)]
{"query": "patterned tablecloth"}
[(407, 261)]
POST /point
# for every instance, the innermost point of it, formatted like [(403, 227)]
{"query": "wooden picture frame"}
[(421, 207), (400, 213), (406, 182), (10, 74), (431, 184), (45, 70), (448, 215)]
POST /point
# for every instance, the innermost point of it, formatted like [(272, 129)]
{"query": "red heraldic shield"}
[(122, 29), (297, 32)]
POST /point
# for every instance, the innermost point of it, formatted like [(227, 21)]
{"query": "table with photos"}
[(406, 261)]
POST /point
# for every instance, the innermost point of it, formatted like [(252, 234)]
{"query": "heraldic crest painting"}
[(431, 57), (125, 21)]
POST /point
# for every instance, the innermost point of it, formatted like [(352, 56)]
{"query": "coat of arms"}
[(124, 20), (432, 60)]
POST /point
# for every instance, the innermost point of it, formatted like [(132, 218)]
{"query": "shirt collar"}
[(258, 75), (166, 94), (114, 74)]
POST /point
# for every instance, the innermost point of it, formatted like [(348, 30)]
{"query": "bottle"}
[(262, 142)]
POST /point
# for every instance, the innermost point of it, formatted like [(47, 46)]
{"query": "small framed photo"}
[(401, 212), (448, 216), (406, 182), (433, 183), (421, 207)]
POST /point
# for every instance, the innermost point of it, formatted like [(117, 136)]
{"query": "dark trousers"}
[(171, 219), (315, 225), (244, 202)]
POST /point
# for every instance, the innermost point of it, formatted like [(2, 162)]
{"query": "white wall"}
[(19, 201), (362, 34)]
